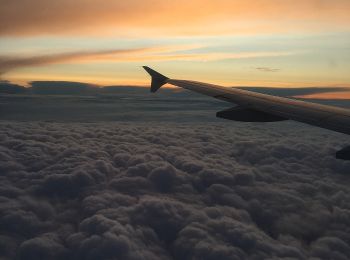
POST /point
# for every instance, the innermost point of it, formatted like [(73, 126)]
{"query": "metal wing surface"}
[(257, 107)]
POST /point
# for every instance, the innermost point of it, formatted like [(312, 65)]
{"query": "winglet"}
[(158, 79)]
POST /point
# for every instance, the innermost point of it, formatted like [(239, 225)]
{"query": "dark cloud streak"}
[(10, 63), (267, 69)]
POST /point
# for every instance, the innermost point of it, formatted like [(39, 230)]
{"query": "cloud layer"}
[(172, 191)]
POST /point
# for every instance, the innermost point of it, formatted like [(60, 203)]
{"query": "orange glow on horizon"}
[(329, 95)]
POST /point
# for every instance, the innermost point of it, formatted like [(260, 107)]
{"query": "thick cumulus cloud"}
[(172, 191)]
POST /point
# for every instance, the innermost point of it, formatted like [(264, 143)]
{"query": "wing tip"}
[(158, 79)]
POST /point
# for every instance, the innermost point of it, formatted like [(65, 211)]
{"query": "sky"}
[(121, 173), (279, 43)]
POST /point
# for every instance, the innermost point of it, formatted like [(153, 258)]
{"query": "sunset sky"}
[(280, 43)]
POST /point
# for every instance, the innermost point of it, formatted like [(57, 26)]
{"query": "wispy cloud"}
[(158, 53), (216, 56), (267, 69), (8, 63)]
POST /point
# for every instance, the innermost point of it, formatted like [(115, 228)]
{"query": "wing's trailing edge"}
[(257, 107)]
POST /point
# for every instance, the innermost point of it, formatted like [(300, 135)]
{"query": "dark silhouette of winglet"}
[(158, 79)]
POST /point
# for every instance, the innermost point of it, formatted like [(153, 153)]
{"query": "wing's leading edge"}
[(257, 107)]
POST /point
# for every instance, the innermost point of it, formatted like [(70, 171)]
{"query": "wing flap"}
[(244, 114), (344, 154)]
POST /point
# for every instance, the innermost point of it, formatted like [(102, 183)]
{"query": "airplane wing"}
[(257, 107)]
